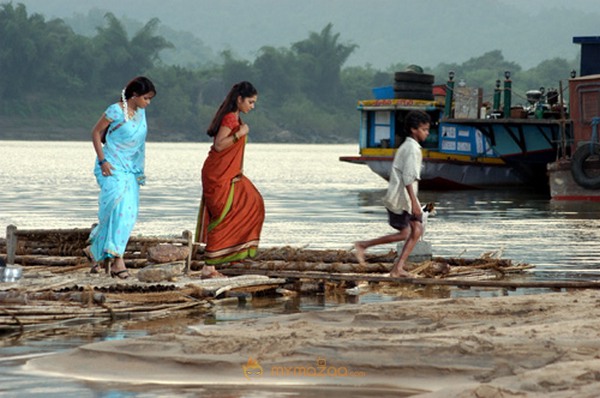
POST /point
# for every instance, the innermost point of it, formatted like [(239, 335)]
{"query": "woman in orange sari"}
[(232, 211)]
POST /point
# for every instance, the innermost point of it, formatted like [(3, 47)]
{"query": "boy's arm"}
[(417, 211)]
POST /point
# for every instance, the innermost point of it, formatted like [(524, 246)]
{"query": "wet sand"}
[(544, 345)]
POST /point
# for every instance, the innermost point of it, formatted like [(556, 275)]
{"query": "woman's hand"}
[(225, 139), (244, 130), (106, 168)]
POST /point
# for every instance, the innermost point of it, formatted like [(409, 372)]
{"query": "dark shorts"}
[(400, 221)]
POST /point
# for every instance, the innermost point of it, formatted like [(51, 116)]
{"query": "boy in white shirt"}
[(403, 207)]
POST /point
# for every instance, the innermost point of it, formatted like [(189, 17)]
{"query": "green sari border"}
[(239, 256), (226, 209)]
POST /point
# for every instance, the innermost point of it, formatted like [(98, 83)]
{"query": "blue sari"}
[(118, 201)]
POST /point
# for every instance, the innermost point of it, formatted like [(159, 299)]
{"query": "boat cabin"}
[(584, 96), (382, 127)]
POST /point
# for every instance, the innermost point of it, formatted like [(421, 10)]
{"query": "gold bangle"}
[(235, 137)]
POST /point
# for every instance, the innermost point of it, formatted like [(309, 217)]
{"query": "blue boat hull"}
[(528, 145)]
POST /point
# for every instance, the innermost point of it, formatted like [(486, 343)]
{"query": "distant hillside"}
[(426, 32)]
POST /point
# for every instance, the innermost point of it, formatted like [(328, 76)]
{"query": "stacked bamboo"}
[(63, 247), (48, 298)]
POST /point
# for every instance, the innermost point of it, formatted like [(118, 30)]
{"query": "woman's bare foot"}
[(210, 272), (359, 253)]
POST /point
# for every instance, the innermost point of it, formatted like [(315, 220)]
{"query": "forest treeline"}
[(54, 83)]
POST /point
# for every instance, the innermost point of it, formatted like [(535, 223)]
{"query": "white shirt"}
[(406, 170)]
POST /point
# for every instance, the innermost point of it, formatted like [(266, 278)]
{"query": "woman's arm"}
[(100, 126), (225, 139)]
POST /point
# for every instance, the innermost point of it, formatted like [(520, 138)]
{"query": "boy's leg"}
[(415, 232), (361, 246)]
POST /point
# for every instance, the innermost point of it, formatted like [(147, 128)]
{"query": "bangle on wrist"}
[(101, 162), (235, 137)]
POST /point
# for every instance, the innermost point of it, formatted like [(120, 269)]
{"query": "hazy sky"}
[(425, 32)]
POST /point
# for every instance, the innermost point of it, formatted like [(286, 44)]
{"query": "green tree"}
[(77, 60), (235, 70), (119, 58), (175, 108), (277, 74), (321, 56), (357, 84), (30, 52), (547, 74)]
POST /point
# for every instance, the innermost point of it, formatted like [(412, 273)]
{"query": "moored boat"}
[(468, 148), (527, 145), (455, 156), (574, 175)]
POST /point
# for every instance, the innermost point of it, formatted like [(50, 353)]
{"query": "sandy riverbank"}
[(544, 345)]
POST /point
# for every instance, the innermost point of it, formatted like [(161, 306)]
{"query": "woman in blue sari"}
[(119, 172)]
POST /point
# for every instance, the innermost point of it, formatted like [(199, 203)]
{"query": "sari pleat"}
[(232, 209)]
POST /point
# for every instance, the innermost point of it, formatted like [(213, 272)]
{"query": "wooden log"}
[(156, 239), (25, 298), (61, 261), (11, 244), (311, 266), (57, 232), (290, 254), (26, 260), (426, 281), (189, 236), (246, 283), (70, 242)]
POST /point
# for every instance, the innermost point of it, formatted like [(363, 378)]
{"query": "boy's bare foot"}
[(399, 272), (359, 253)]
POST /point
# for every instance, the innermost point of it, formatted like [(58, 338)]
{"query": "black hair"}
[(242, 89), (414, 119), (139, 86)]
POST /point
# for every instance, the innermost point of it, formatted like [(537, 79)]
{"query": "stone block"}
[(421, 252), (167, 253), (160, 272)]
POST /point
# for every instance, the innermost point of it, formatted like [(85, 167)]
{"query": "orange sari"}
[(232, 210)]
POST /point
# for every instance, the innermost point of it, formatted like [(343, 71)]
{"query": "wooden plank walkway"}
[(461, 283)]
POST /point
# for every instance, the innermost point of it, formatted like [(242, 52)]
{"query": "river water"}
[(312, 200)]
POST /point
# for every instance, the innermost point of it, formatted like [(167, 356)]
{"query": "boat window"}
[(382, 125), (590, 105), (463, 140)]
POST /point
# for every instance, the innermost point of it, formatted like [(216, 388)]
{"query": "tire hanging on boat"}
[(578, 172)]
